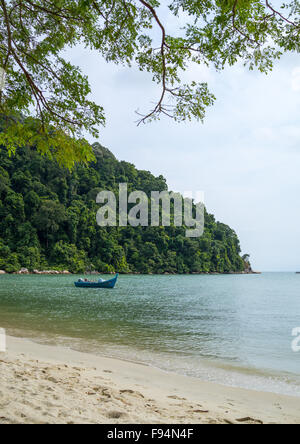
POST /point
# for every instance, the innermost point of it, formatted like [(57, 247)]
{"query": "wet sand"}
[(54, 385)]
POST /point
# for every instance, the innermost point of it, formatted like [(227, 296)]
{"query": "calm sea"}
[(234, 329)]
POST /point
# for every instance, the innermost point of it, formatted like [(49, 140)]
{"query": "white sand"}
[(43, 384)]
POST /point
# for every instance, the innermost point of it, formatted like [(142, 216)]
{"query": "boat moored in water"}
[(110, 283)]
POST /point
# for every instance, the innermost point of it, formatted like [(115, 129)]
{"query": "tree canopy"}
[(42, 83)]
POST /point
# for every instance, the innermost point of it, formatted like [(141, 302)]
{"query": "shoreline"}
[(68, 273), (216, 372), (54, 384)]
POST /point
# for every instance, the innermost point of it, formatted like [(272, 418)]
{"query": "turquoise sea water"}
[(234, 329)]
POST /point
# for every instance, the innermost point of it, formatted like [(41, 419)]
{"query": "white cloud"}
[(283, 135), (296, 79)]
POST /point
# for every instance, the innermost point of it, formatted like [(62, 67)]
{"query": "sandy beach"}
[(44, 384)]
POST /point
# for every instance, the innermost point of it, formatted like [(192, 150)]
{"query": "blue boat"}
[(81, 283)]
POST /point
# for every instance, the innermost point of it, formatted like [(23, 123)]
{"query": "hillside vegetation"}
[(48, 220)]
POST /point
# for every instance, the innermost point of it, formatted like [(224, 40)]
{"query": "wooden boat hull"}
[(105, 284)]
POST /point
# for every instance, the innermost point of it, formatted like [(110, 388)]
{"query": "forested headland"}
[(48, 221)]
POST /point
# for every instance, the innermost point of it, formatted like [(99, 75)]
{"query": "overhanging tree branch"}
[(35, 32), (159, 107), (280, 15)]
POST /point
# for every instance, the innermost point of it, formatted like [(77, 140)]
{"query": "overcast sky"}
[(245, 157)]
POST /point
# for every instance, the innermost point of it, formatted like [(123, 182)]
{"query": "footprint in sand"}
[(105, 392), (228, 421), (132, 392), (116, 415), (249, 420), (51, 379)]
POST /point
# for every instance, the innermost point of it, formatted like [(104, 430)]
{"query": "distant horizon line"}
[(281, 271)]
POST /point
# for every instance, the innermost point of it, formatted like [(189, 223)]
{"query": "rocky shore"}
[(26, 271)]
